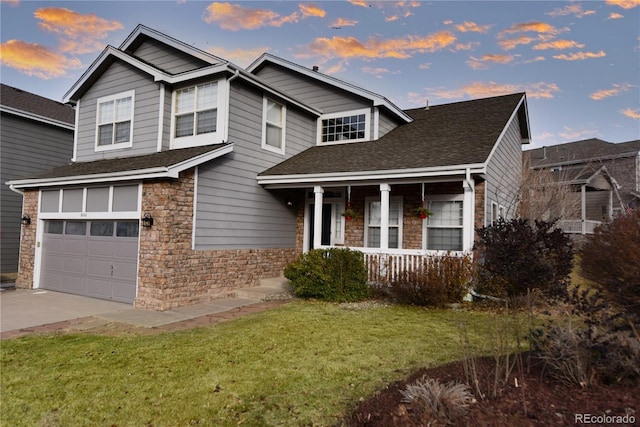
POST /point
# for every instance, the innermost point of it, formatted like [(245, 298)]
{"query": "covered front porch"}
[(382, 220)]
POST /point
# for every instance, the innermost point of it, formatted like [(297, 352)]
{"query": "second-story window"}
[(196, 110), (273, 131), (115, 121), (349, 126)]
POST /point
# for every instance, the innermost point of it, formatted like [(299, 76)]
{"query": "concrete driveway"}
[(27, 308)]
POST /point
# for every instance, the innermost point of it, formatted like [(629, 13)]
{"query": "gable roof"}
[(165, 164), (216, 66), (583, 151), (439, 139), (378, 100), (35, 107)]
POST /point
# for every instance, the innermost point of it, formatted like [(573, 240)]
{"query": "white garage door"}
[(91, 258)]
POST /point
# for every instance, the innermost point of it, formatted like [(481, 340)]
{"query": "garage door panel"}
[(51, 280), (99, 288), (123, 270), (101, 266), (74, 284), (75, 246), (123, 292), (102, 248), (52, 261), (74, 265), (126, 248)]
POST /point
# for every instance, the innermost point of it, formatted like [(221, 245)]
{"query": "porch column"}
[(385, 189), (468, 214), (583, 209), (318, 193)]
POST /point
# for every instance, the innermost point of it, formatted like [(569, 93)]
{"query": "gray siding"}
[(120, 77), (233, 211), (386, 123), (27, 147), (504, 172), (167, 58), (326, 98)]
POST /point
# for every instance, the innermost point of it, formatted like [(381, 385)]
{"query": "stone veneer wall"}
[(28, 241), (171, 273)]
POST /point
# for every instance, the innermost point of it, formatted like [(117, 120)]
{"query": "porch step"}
[(273, 288)]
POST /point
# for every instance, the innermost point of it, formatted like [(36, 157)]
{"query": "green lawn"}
[(305, 363)]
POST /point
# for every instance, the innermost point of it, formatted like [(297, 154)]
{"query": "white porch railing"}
[(387, 265), (578, 226)]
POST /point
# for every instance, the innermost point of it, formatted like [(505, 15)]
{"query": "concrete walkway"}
[(25, 308)]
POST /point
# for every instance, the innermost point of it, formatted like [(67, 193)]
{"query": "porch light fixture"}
[(147, 220), (25, 220)]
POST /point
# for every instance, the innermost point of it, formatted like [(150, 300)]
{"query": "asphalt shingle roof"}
[(450, 134), (28, 102), (124, 164), (586, 150)]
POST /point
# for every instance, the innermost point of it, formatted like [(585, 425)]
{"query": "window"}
[(101, 228), (273, 129), (114, 122), (195, 110), (344, 127), (372, 223), (75, 228), (53, 227), (444, 228), (127, 229)]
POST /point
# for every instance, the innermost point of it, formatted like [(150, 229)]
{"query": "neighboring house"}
[(604, 176), (193, 177), (36, 134)]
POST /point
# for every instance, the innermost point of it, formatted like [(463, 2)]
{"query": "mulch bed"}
[(536, 401)]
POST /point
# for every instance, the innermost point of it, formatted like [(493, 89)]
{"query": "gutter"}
[(171, 171)]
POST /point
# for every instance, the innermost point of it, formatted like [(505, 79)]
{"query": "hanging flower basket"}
[(349, 214), (422, 212)]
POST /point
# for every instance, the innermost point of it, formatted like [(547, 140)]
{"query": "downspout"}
[(16, 190), (469, 210)]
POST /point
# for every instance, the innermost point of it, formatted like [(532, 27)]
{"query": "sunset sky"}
[(578, 62)]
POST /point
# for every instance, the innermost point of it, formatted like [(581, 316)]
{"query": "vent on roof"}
[(315, 68)]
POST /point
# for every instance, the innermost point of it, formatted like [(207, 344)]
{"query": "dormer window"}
[(350, 126), (115, 121)]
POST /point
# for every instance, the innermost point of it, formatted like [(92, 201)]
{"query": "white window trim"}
[(426, 225), (392, 199), (121, 145), (367, 127), (283, 126), (206, 138)]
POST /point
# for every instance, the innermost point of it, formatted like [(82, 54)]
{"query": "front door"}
[(326, 225)]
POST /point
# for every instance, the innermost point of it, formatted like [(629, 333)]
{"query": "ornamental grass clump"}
[(335, 274)]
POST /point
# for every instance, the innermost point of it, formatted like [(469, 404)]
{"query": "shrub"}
[(611, 258), (434, 401), (586, 356), (606, 349), (516, 257), (440, 280), (335, 274)]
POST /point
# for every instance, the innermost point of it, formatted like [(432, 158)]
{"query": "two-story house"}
[(36, 134), (604, 177), (193, 177)]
